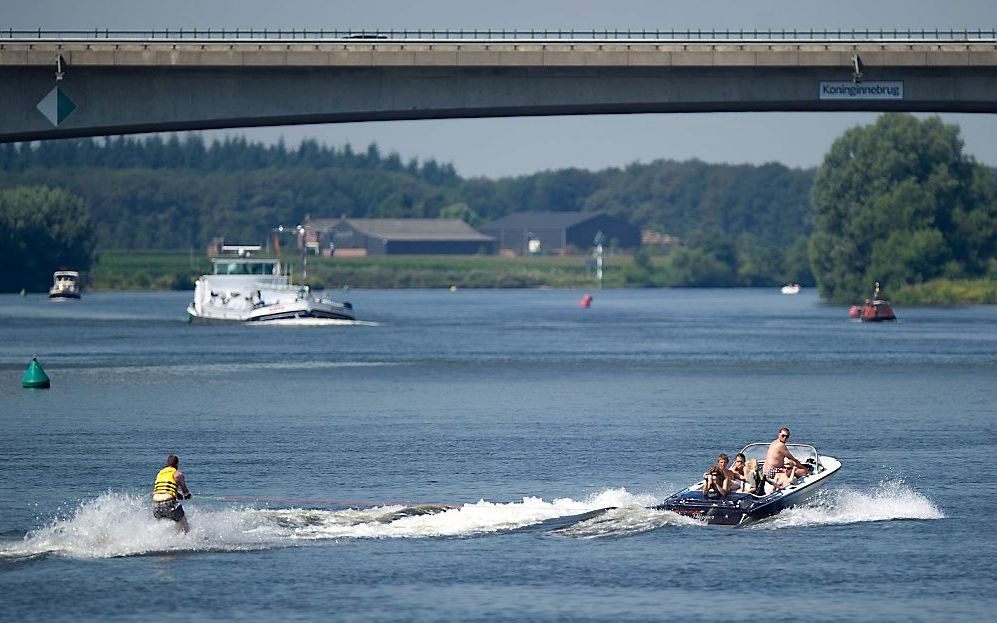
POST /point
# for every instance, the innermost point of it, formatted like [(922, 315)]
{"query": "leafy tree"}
[(41, 230), (893, 203), (687, 267), (462, 211)]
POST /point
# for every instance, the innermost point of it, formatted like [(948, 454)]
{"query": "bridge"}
[(71, 84)]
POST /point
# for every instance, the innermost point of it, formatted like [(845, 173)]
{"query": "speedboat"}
[(303, 306), (255, 290), (738, 509), (65, 285), (792, 288)]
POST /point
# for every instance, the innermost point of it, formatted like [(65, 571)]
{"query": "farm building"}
[(560, 232), (386, 236)]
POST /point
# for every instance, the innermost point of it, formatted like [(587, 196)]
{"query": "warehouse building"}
[(560, 232), (385, 236)]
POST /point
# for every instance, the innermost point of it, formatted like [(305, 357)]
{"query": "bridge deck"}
[(495, 53)]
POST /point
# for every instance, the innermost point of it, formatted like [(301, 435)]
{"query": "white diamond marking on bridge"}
[(56, 106)]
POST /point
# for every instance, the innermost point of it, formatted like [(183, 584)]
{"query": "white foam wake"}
[(888, 501), (118, 524), (479, 518), (313, 322)]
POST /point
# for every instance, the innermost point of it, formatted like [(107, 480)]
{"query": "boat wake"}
[(121, 524), (313, 322), (891, 500)]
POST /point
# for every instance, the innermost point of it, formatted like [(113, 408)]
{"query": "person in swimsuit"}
[(777, 458), (736, 473)]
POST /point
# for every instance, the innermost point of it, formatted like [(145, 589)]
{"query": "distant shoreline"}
[(164, 270)]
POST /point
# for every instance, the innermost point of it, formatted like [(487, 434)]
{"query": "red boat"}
[(875, 309)]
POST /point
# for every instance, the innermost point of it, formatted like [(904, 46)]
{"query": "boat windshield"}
[(757, 451), (244, 268)]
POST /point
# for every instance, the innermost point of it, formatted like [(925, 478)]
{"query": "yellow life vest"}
[(165, 487)]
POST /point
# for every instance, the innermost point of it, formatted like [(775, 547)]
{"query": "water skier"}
[(167, 492)]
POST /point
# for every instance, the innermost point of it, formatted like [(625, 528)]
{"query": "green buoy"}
[(34, 377)]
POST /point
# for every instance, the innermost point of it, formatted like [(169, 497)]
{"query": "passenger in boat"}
[(718, 478), (738, 467), (735, 474), (754, 480), (167, 491), (776, 457)]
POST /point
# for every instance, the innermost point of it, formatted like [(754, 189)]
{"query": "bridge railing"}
[(266, 34)]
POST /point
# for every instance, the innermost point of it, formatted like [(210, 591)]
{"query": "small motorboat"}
[(738, 509), (65, 286), (876, 309), (792, 288)]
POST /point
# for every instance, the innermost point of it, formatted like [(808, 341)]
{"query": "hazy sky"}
[(498, 147)]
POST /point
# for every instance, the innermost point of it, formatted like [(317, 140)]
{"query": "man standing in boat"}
[(777, 456), (169, 488)]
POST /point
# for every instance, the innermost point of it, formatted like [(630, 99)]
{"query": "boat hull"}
[(64, 296), (289, 312)]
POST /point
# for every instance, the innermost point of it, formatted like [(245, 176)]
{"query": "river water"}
[(432, 461)]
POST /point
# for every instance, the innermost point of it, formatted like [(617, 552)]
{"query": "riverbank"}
[(177, 270)]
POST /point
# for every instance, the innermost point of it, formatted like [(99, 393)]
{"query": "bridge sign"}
[(849, 90), (56, 106)]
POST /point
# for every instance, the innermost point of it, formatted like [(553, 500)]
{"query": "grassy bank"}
[(942, 292), (147, 270), (177, 270)]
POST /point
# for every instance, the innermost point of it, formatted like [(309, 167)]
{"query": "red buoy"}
[(586, 301)]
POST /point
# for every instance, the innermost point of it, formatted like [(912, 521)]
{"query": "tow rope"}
[(325, 502)]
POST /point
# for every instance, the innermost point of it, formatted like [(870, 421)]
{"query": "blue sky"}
[(499, 147)]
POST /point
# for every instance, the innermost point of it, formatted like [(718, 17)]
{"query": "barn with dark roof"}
[(408, 236), (561, 232)]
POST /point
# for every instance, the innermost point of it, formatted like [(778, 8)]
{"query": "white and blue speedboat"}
[(736, 509)]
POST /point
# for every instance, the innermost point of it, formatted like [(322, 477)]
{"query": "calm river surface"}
[(309, 451)]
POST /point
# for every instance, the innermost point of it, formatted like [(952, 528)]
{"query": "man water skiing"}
[(167, 492)]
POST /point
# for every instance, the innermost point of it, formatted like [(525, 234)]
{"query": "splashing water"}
[(313, 322), (119, 524), (890, 500), (424, 521), (626, 521)]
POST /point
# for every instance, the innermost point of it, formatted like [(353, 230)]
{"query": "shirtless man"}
[(736, 471), (778, 456)]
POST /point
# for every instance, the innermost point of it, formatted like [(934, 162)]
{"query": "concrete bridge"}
[(66, 87)]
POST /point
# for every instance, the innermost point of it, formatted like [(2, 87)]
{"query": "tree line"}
[(163, 193), (896, 202)]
